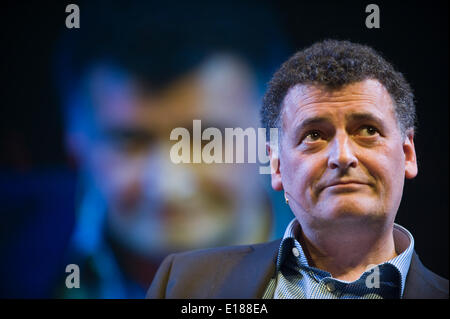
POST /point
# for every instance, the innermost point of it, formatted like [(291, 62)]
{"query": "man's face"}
[(154, 205), (342, 154)]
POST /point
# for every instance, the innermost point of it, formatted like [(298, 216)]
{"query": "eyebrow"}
[(128, 133), (361, 117), (368, 117), (310, 122), (354, 117)]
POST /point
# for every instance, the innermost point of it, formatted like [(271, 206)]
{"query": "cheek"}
[(117, 178), (387, 166), (300, 174), (396, 172)]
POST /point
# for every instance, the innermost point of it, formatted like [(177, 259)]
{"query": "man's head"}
[(347, 124), (134, 73), (122, 144)]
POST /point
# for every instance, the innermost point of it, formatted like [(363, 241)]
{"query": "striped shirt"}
[(295, 279)]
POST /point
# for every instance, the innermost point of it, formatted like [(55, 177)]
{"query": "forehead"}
[(218, 92), (306, 101)]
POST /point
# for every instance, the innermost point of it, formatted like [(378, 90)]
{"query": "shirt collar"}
[(404, 246), (403, 241)]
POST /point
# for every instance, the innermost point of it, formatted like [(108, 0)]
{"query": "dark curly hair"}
[(334, 64)]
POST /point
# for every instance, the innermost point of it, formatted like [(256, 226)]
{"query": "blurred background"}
[(86, 114)]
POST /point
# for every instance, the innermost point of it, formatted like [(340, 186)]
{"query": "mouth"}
[(350, 184), (345, 183)]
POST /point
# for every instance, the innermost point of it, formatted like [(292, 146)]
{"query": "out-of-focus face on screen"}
[(123, 143)]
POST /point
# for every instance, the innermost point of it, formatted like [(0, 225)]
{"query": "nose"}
[(342, 155), (164, 179)]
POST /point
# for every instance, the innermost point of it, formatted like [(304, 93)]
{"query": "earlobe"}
[(410, 155)]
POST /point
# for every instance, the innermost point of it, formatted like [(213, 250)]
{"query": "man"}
[(346, 123), (126, 83)]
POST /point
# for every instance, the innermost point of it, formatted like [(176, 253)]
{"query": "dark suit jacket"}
[(245, 271)]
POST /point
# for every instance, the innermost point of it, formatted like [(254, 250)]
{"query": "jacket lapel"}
[(251, 276)]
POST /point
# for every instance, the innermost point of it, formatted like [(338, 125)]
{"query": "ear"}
[(410, 155), (275, 167)]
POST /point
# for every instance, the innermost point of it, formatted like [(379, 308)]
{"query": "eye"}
[(368, 131), (130, 141), (312, 136)]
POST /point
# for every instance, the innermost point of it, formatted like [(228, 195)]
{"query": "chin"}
[(348, 207)]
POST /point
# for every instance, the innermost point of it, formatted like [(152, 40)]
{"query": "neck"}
[(347, 250)]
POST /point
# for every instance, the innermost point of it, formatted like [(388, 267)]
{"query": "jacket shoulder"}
[(422, 283), (220, 254), (200, 273)]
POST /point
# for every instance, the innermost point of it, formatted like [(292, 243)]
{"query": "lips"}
[(343, 183)]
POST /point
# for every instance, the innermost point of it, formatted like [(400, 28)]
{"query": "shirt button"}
[(295, 252), (330, 287)]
